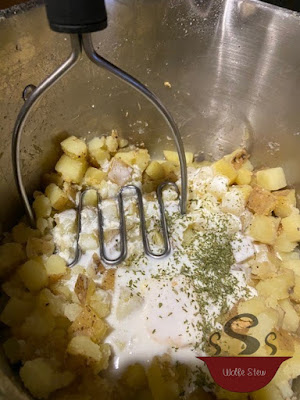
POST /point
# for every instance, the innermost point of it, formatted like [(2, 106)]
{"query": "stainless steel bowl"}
[(234, 70)]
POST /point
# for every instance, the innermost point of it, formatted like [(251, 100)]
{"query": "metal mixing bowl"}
[(234, 70)]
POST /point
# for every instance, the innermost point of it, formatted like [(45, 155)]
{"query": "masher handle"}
[(76, 16)]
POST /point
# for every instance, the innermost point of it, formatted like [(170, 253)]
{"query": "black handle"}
[(76, 16)]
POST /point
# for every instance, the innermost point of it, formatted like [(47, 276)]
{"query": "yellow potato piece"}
[(271, 179), (74, 147), (264, 229), (72, 170), (173, 157)]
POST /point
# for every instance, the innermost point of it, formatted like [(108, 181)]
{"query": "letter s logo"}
[(215, 345), (252, 344)]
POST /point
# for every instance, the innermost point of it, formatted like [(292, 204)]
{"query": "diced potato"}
[(42, 225), (72, 311), (277, 288), (293, 264), (98, 153), (108, 282), (100, 303), (237, 158), (15, 311), (57, 197), (119, 172), (112, 144), (291, 319), (247, 165), (135, 376), (271, 179), (140, 157), (12, 350), (223, 167), (94, 176), (282, 244), (122, 143), (171, 170), (61, 289), (90, 198), (22, 232), (174, 158), (84, 288), (71, 170), (11, 255), (88, 324), (88, 241), (55, 266), (162, 381), (89, 354), (127, 303), (33, 275), (42, 207), (263, 269), (74, 147), (253, 306), (291, 227), (38, 324), (261, 201), (41, 377), (155, 171), (285, 202), (39, 247), (244, 177), (46, 300), (264, 229)]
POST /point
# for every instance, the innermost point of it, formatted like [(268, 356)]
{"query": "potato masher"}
[(80, 18)]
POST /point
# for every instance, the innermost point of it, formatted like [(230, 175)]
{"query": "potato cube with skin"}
[(173, 157), (84, 288), (291, 227), (223, 167), (42, 377), (94, 176), (155, 171), (100, 303), (57, 196), (55, 266), (264, 229), (33, 275), (271, 178), (71, 170), (261, 201), (285, 202), (15, 311), (244, 177), (119, 172), (42, 207), (291, 319), (74, 147), (88, 324)]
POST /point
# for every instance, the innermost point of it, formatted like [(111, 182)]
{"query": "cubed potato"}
[(42, 207), (244, 177), (261, 201), (285, 202), (135, 376), (122, 143), (90, 198), (55, 266), (88, 241), (155, 171), (61, 289), (88, 324), (12, 350), (98, 153), (70, 169), (127, 303), (15, 311), (171, 170), (11, 255), (112, 144), (87, 353), (291, 319), (247, 165), (119, 172), (108, 282), (277, 288), (283, 244), (74, 147), (38, 324), (172, 156), (52, 177), (263, 269), (47, 301), (139, 157), (33, 275), (271, 178), (94, 176), (264, 229), (39, 247), (42, 225), (293, 264), (254, 306), (42, 377), (84, 288), (22, 232), (237, 158), (223, 167), (72, 311), (291, 227), (100, 303), (57, 197), (162, 381)]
